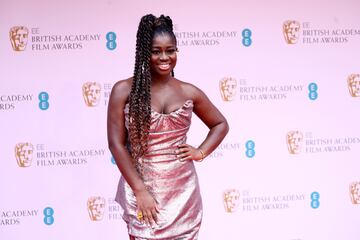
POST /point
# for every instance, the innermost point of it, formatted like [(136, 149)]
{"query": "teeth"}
[(164, 66)]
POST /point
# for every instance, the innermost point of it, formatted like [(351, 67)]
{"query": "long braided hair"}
[(140, 95)]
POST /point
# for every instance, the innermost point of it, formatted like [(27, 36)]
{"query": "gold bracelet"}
[(202, 155)]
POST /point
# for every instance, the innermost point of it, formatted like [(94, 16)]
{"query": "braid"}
[(140, 94), (139, 98)]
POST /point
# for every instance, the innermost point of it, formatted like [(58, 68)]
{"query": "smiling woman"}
[(149, 116), (163, 55)]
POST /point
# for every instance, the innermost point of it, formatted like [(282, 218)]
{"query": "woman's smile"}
[(164, 66)]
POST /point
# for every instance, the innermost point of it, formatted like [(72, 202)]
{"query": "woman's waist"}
[(164, 144), (160, 154)]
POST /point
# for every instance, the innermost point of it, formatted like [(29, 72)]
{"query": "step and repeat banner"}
[(285, 74)]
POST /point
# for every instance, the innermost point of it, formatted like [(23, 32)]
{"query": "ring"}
[(139, 215)]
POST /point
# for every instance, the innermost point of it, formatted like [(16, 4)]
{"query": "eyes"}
[(168, 52)]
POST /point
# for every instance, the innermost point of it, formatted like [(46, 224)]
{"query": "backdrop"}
[(285, 74)]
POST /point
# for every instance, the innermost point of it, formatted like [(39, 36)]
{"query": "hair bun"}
[(164, 21)]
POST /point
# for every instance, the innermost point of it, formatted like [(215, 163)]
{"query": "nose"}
[(163, 56)]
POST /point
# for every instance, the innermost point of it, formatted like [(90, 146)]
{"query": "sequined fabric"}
[(174, 184)]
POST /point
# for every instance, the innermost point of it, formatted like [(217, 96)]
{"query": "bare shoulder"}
[(191, 91), (121, 89)]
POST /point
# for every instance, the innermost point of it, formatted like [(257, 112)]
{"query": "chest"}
[(165, 102)]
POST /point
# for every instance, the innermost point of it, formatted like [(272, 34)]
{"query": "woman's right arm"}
[(117, 138)]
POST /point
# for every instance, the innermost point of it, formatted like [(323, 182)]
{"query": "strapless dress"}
[(174, 184)]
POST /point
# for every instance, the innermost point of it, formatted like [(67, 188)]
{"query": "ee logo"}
[(313, 87), (44, 100), (246, 37), (315, 203), (48, 216), (250, 148), (111, 40)]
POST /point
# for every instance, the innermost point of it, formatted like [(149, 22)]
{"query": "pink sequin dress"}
[(174, 184)]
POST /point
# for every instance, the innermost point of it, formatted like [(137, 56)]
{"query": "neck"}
[(160, 80)]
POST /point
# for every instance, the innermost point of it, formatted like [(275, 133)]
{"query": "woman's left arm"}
[(213, 119)]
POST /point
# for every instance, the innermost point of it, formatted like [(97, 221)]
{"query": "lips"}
[(164, 66)]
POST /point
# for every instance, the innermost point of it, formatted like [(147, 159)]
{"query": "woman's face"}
[(163, 55)]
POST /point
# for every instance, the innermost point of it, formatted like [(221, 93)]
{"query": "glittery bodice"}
[(167, 131), (173, 183)]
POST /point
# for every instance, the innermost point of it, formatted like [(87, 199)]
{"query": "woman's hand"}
[(187, 152), (147, 209)]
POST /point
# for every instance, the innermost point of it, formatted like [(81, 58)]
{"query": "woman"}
[(149, 115)]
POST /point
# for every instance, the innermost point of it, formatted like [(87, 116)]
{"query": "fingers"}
[(184, 152), (149, 217), (183, 145), (154, 217), (184, 158), (148, 210)]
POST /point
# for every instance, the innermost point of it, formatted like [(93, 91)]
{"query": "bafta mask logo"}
[(294, 141), (228, 88), (96, 208), (231, 200), (19, 37), (91, 93), (291, 31), (355, 192), (24, 154), (354, 85)]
